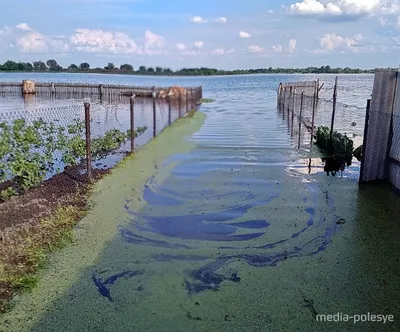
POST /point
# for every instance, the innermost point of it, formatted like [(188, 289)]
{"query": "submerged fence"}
[(315, 117), (305, 110), (96, 92), (36, 144), (370, 132)]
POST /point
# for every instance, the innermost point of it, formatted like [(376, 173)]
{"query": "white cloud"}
[(243, 34), (256, 49), (180, 47), (199, 44), (31, 41), (275, 49), (100, 41), (185, 50), (221, 20), (330, 42), (345, 7), (270, 11), (24, 27), (153, 44), (221, 51), (193, 49), (197, 20), (292, 45)]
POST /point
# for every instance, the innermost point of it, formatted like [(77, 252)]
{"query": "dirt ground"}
[(65, 189)]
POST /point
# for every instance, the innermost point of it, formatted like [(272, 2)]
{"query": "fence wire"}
[(305, 109), (56, 138)]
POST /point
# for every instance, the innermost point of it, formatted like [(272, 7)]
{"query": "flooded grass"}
[(206, 100)]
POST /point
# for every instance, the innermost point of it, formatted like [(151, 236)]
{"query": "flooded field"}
[(220, 225)]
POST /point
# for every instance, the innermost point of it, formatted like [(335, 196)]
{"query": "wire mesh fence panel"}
[(36, 144), (109, 125), (315, 109)]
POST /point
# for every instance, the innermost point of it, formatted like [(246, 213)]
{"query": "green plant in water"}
[(358, 152), (337, 151), (206, 100)]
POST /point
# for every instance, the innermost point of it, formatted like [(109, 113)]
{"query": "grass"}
[(24, 249), (206, 100)]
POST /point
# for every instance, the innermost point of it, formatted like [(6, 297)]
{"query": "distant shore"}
[(51, 66), (137, 73)]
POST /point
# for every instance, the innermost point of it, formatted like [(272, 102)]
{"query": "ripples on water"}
[(241, 194)]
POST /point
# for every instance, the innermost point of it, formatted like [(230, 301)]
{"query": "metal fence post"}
[(313, 117), (290, 94), (86, 104), (154, 95), (300, 118), (169, 110), (294, 101), (284, 100), (361, 179), (294, 107), (132, 115), (333, 115)]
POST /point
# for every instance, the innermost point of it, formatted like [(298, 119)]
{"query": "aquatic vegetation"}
[(206, 100), (358, 152), (216, 225), (337, 152)]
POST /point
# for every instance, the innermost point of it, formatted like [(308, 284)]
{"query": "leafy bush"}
[(28, 151), (341, 147)]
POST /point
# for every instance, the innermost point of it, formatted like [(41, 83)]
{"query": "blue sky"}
[(213, 33)]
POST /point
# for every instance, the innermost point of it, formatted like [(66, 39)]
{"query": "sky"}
[(223, 34)]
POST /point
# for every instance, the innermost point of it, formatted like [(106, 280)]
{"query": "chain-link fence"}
[(79, 139), (330, 129)]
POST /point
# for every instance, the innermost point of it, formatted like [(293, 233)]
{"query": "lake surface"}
[(244, 111)]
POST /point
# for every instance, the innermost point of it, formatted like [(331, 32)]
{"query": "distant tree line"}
[(52, 66)]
